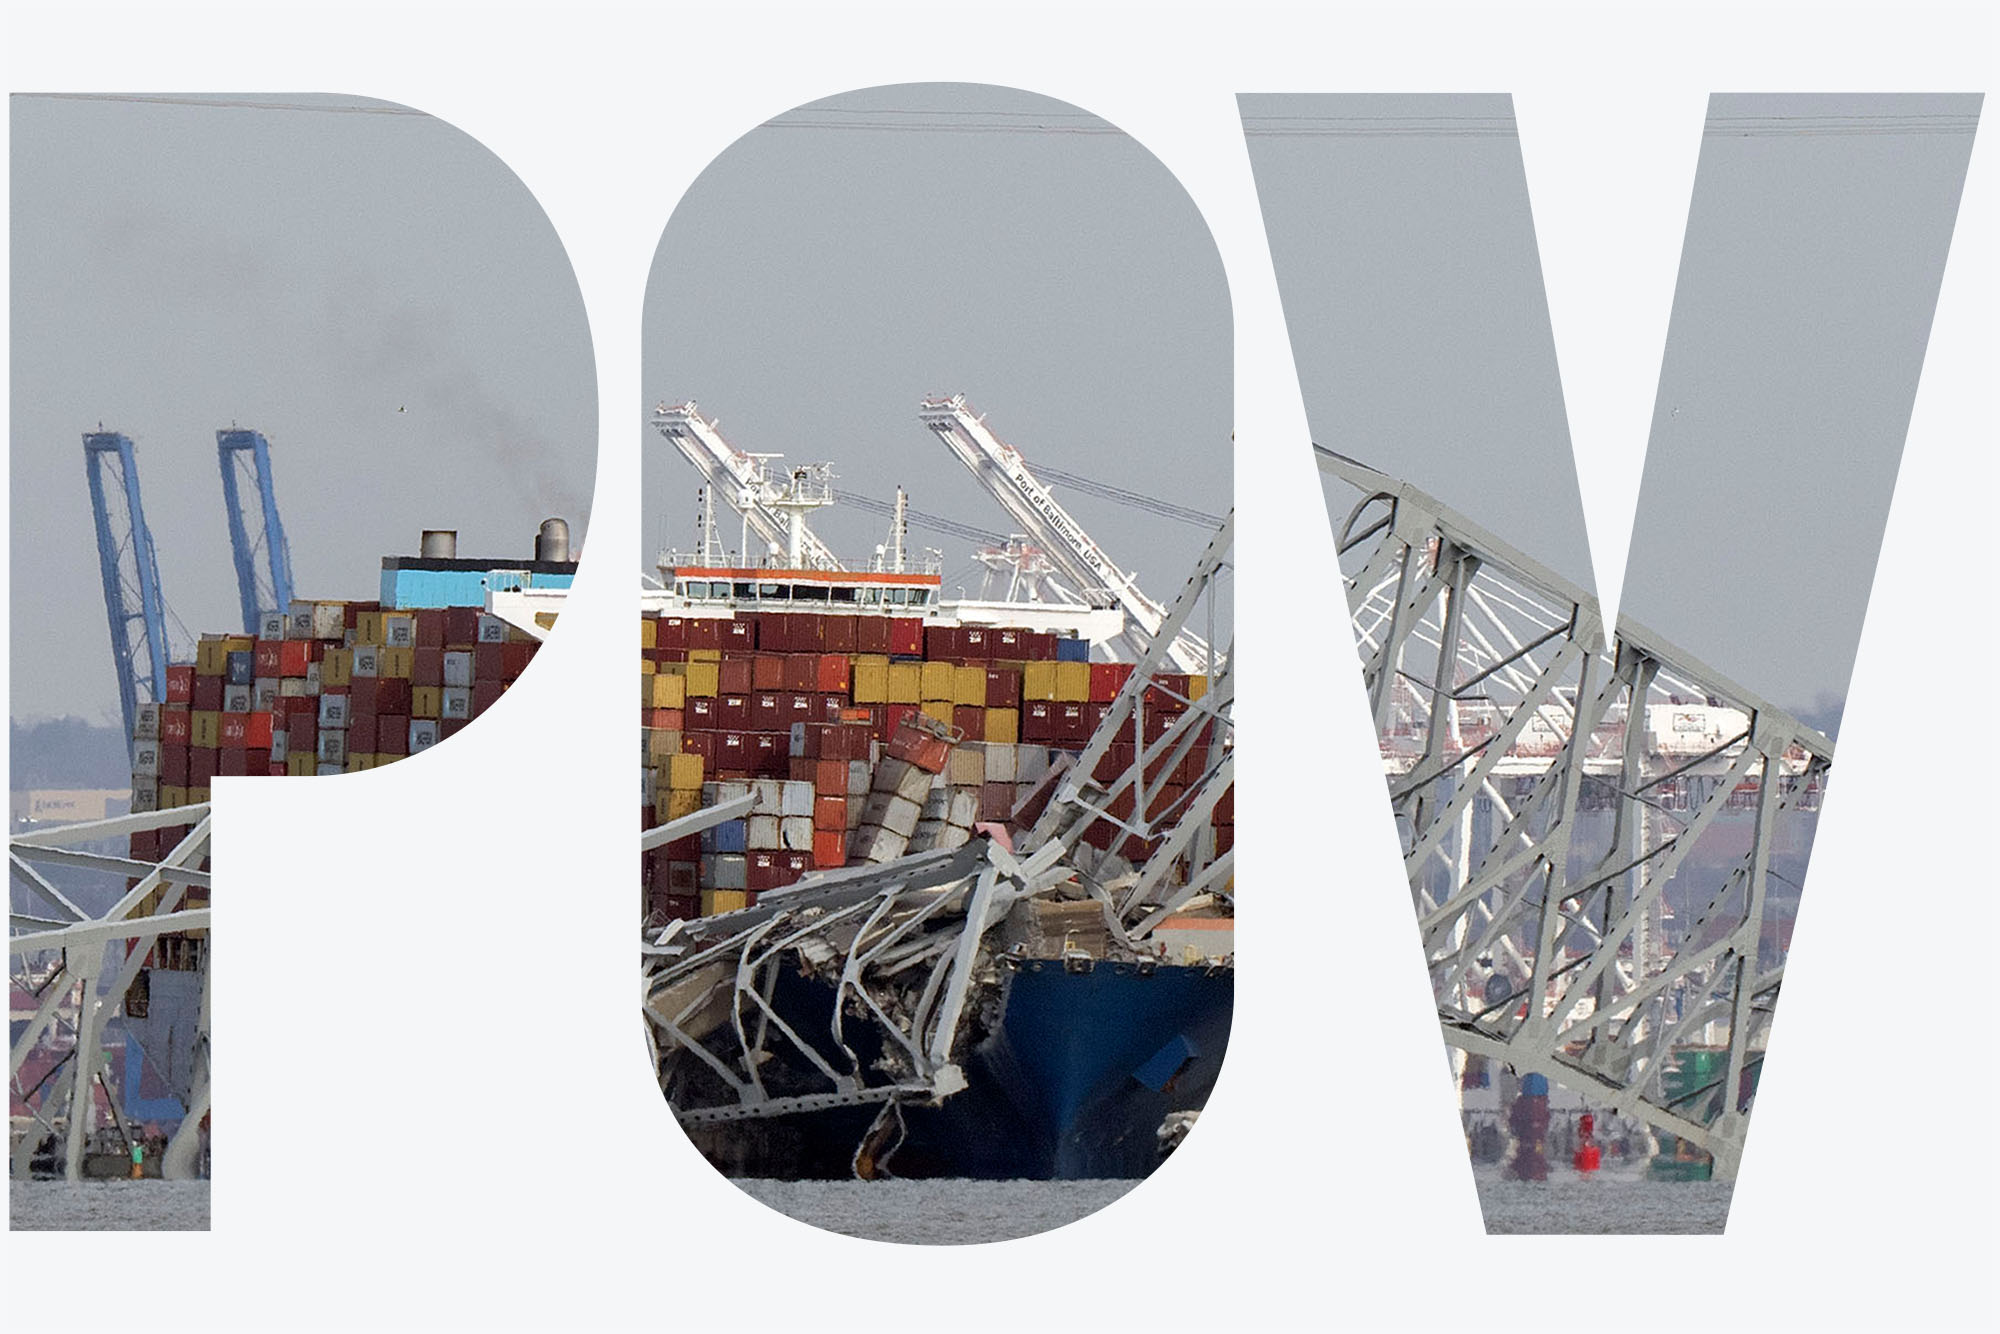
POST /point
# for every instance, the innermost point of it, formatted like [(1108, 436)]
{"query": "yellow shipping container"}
[(171, 797), (205, 728), (937, 680), (649, 632), (704, 655), (1072, 682), (704, 679), (662, 744), (1197, 687), (670, 692), (905, 682), (211, 658), (426, 701), (368, 628), (1038, 681), (939, 709), (1003, 727), (357, 762), (239, 643), (303, 765), (197, 795), (969, 687), (337, 667), (714, 901), (684, 773), (647, 667), (398, 663), (871, 681), (681, 802)]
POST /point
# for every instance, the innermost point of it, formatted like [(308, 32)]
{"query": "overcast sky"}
[(1405, 254), (299, 264), (1815, 247), (833, 267)]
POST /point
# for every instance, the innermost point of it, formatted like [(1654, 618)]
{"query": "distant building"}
[(66, 805)]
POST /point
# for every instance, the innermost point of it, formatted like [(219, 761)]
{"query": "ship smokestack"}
[(439, 544), (552, 542)]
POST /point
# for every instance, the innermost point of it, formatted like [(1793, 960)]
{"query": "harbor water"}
[(108, 1206), (949, 1213)]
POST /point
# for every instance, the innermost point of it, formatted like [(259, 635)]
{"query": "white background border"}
[(468, 1132)]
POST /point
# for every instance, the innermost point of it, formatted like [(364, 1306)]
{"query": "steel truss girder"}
[(1482, 664)]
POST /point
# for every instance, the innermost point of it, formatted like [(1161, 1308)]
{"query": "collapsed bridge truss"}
[(1548, 789)]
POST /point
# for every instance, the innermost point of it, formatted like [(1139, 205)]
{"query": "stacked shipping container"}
[(863, 738), (324, 688)]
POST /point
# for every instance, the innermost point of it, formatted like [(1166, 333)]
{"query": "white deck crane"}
[(774, 510), (1003, 472)]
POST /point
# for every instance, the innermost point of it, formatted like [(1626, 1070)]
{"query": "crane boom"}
[(1004, 473), (132, 599), (270, 587), (740, 479)]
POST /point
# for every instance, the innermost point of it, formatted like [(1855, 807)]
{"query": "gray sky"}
[(1815, 247), (297, 268), (1405, 255), (831, 269)]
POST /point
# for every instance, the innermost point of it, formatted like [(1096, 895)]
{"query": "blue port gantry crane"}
[(132, 598), (240, 451)]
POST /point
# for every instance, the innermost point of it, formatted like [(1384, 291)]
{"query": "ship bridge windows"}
[(774, 592), (846, 594), (919, 596), (743, 591), (809, 593)]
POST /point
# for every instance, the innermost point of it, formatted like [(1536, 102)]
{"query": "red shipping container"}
[(671, 632), (732, 712), (205, 694), (489, 663), (392, 734), (461, 627), (871, 634), (1107, 679), (674, 720), (703, 632), (801, 671), (700, 714), (363, 692), (702, 744), (1073, 723), (975, 644), (1004, 644), (669, 655), (1039, 645), (794, 864), (740, 635), (734, 677), (257, 731), (829, 773), (266, 658), (302, 731), (1225, 806), (800, 769), (176, 726), (1038, 721), (234, 726), (234, 763), (770, 753), (451, 727), (485, 694), (996, 801), (515, 657), (919, 746), (763, 872), (427, 667), (801, 708), (971, 721), (830, 812), (1003, 688), (906, 635), (295, 655), (180, 683), (829, 848), (732, 751), (767, 671), (1167, 693), (808, 632), (202, 762), (276, 771), (363, 730), (144, 846), (941, 642), (837, 635), (392, 695), (832, 679), (768, 712), (257, 763), (891, 719), (773, 631), (174, 764)]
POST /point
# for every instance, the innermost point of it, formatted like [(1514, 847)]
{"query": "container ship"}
[(931, 887)]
